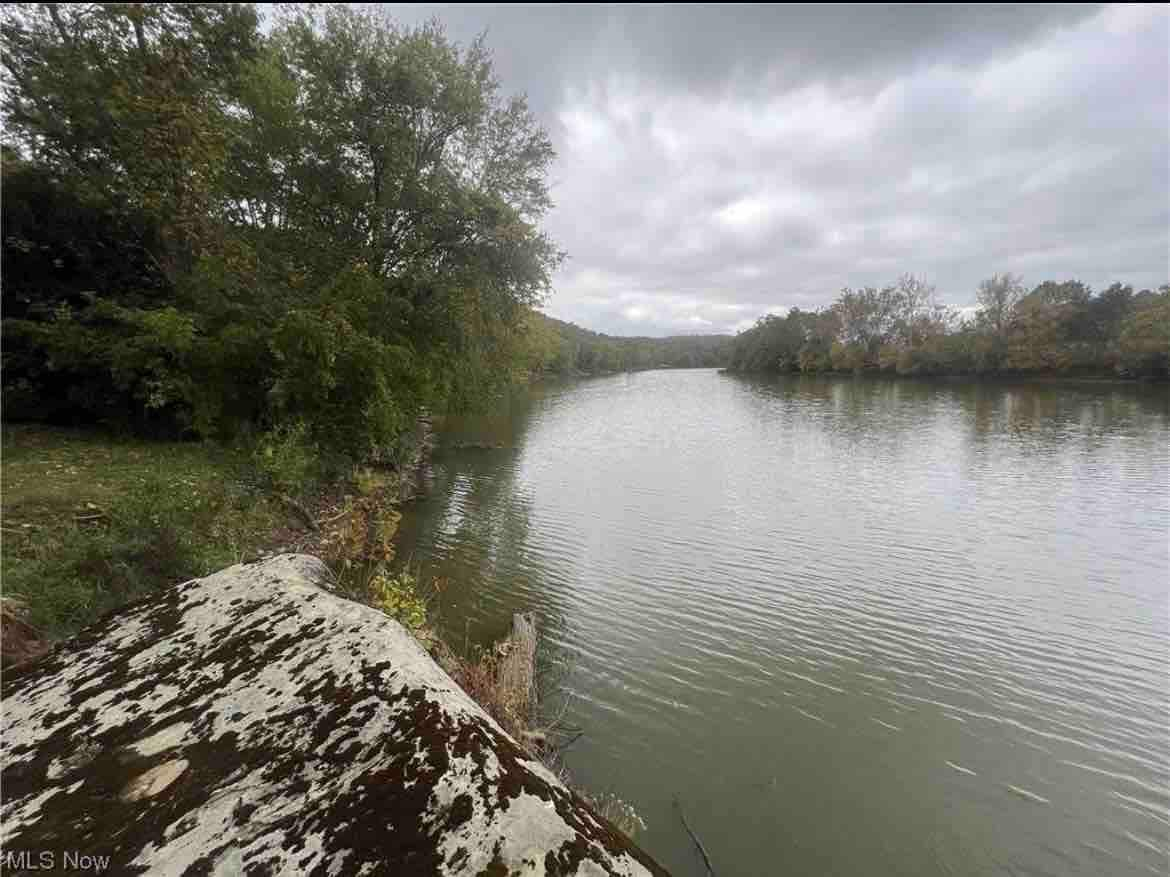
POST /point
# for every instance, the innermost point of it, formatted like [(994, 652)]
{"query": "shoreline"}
[(971, 379)]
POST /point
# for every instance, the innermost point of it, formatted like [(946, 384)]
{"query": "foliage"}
[(128, 104), (1145, 336), (285, 458), (1056, 329), (398, 596), (211, 230)]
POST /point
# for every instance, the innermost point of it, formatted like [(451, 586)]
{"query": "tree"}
[(868, 318), (997, 298), (1103, 315), (345, 216), (1145, 336), (129, 102), (1037, 339), (917, 299), (1058, 328)]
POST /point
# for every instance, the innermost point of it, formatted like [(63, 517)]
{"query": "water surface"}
[(856, 626)]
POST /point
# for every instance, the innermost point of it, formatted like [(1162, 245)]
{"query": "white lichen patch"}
[(253, 719)]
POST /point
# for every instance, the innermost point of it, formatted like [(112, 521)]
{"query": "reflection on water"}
[(857, 626)]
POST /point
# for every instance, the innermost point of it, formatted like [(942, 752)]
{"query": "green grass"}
[(90, 521)]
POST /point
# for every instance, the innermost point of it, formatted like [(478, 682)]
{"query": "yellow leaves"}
[(370, 481), (363, 533), (387, 529), (398, 596)]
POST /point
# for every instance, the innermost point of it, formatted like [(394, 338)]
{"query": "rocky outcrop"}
[(252, 722)]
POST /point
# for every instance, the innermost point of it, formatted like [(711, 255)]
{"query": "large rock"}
[(252, 722)]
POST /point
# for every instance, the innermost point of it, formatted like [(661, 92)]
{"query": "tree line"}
[(1055, 328), (554, 347), (213, 228)]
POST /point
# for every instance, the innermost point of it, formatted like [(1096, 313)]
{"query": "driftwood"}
[(518, 667), (695, 838)]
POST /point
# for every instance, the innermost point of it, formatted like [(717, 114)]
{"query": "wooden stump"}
[(518, 669)]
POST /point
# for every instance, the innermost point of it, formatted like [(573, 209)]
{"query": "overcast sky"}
[(715, 163)]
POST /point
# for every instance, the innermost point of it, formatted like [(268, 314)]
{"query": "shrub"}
[(398, 596), (286, 458)]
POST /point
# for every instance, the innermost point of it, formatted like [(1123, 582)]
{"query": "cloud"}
[(717, 163)]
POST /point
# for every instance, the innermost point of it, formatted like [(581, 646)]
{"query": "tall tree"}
[(128, 102), (346, 213), (917, 300), (998, 296)]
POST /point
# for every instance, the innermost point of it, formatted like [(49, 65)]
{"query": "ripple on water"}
[(910, 603)]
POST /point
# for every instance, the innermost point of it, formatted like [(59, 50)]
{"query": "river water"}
[(856, 626)]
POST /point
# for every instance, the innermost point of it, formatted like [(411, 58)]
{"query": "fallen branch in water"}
[(695, 838)]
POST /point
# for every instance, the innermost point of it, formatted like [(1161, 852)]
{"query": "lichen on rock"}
[(253, 722)]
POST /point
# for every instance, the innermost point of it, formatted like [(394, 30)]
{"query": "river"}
[(856, 626)]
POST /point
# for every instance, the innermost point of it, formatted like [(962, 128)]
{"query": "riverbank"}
[(996, 378), (352, 709), (91, 522)]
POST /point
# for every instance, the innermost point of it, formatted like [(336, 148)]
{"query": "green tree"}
[(342, 216), (129, 102), (1145, 336), (998, 296)]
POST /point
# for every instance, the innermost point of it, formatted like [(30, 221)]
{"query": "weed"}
[(288, 461), (621, 813), (399, 597)]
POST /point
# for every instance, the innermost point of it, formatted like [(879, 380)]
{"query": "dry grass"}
[(479, 677), (490, 678), (505, 691), (19, 640)]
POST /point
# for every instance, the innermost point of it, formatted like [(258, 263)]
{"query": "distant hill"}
[(560, 347)]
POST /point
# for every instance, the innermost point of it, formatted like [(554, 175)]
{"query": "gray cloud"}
[(717, 162)]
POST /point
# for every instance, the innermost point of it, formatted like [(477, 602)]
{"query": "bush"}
[(1145, 338), (287, 460), (353, 390), (398, 596)]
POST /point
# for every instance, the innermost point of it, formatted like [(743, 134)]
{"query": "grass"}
[(90, 522)]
